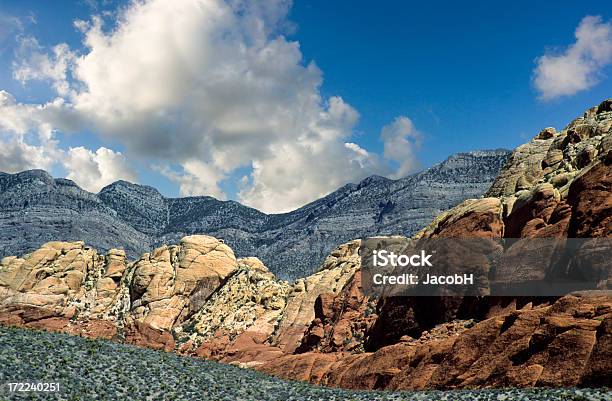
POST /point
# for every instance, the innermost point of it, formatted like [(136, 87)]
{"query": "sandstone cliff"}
[(197, 298)]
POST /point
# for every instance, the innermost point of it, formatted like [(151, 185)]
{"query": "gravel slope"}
[(102, 370)]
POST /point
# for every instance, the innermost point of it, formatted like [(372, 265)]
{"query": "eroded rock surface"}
[(336, 272), (172, 283), (518, 348), (160, 290), (197, 298)]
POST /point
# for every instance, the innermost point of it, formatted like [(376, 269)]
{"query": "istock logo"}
[(384, 258)]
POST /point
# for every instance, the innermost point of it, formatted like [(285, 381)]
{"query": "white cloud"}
[(33, 64), (401, 142), (20, 119), (211, 86), (13, 116), (300, 173), (25, 142), (197, 178), (94, 170), (16, 156), (579, 67)]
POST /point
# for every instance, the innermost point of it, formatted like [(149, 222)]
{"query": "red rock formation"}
[(564, 344), (590, 197), (143, 335), (341, 321), (323, 329), (135, 333), (560, 185)]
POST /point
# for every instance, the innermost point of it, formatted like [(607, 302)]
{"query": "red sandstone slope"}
[(196, 298), (559, 185)]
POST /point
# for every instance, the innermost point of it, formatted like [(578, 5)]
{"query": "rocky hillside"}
[(197, 298), (558, 185), (102, 370), (35, 208)]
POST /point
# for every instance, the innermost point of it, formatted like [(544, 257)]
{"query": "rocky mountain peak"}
[(128, 187), (33, 178), (137, 217)]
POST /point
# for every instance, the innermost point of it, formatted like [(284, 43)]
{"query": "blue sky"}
[(442, 77), (462, 74)]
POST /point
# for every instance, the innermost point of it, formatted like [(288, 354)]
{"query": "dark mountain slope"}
[(35, 208)]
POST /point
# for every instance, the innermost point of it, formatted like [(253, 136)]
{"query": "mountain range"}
[(36, 208), (196, 298)]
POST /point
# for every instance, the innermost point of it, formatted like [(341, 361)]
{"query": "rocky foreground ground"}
[(102, 370)]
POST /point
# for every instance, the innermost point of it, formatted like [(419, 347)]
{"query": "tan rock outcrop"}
[(159, 290), (51, 277), (171, 283), (336, 272), (555, 157), (251, 300)]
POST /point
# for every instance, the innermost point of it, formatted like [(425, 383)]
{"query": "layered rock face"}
[(197, 298), (558, 185), (68, 282), (35, 208), (563, 344)]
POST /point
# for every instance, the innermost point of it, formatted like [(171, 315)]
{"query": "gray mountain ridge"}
[(36, 208)]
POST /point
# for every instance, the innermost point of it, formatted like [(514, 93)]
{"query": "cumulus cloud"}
[(16, 156), (19, 119), (197, 178), (25, 142), (578, 67), (401, 141), (203, 88), (95, 170)]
